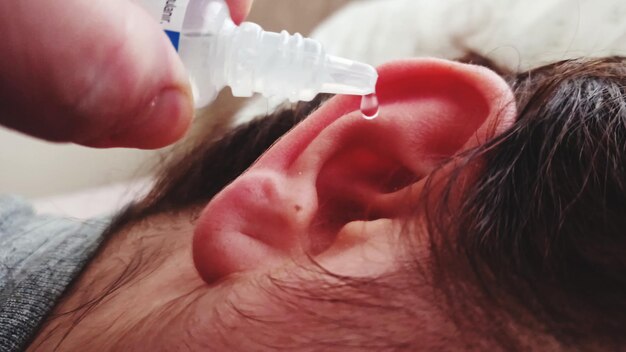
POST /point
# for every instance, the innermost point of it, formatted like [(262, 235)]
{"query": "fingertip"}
[(143, 93), (165, 120), (239, 9)]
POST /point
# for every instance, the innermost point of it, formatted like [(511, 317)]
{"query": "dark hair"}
[(540, 231), (544, 225)]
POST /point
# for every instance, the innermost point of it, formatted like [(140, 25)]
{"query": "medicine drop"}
[(369, 106)]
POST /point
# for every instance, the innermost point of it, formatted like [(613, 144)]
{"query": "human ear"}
[(336, 169)]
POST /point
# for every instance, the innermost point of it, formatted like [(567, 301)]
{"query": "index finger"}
[(239, 9)]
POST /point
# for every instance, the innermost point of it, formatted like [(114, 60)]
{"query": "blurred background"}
[(515, 34)]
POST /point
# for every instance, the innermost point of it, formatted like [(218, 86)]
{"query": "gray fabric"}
[(39, 257)]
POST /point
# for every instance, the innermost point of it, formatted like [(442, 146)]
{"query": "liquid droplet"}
[(369, 106)]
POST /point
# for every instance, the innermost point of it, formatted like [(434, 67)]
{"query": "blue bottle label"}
[(170, 14)]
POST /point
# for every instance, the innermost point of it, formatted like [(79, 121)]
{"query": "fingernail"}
[(167, 118)]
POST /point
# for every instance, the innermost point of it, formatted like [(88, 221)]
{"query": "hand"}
[(99, 73)]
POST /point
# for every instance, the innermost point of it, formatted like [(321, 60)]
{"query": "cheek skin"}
[(236, 314)]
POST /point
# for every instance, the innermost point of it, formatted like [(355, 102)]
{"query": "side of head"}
[(476, 212), (544, 223)]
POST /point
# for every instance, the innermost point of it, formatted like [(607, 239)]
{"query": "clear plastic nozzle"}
[(289, 66), (344, 76)]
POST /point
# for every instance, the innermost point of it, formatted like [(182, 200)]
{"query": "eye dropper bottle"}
[(217, 53)]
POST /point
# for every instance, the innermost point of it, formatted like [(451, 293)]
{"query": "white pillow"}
[(518, 34)]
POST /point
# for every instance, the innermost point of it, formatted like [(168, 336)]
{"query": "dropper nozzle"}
[(343, 76)]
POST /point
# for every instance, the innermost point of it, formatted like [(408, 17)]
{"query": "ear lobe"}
[(336, 167)]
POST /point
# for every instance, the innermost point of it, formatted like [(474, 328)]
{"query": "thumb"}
[(94, 72)]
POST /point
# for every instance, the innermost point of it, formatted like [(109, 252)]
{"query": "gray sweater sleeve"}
[(39, 257)]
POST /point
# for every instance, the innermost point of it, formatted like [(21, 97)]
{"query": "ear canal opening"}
[(348, 186)]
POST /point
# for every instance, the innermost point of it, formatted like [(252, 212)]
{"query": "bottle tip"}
[(349, 77)]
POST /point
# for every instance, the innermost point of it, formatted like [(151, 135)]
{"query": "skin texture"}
[(99, 73), (337, 188)]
